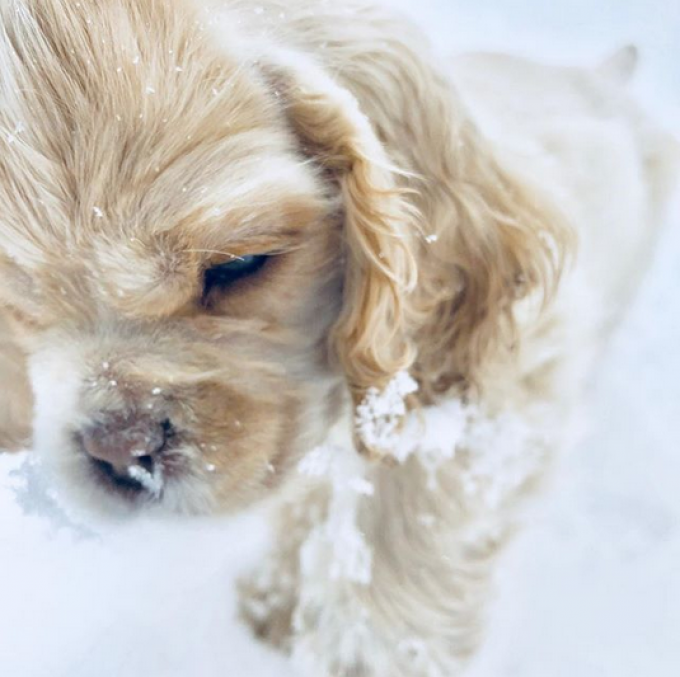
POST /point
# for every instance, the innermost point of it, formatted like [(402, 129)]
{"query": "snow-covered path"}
[(590, 589)]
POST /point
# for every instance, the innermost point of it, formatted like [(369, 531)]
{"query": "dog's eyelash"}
[(225, 274)]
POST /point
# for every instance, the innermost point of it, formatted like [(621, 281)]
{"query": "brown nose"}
[(123, 441)]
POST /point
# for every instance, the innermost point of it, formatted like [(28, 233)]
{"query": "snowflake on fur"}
[(337, 546), (379, 415)]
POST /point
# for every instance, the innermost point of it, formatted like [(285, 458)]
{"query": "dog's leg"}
[(421, 613), (269, 595), (15, 395), (385, 570)]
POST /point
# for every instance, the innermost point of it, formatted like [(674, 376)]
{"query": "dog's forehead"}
[(122, 112), (133, 150), (130, 141)]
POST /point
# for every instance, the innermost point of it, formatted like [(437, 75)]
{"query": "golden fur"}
[(147, 140)]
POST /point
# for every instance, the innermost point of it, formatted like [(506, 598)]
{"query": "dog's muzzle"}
[(127, 450)]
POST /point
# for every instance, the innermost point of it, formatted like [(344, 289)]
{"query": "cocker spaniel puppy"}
[(270, 250)]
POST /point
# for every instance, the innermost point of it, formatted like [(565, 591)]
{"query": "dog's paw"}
[(267, 602)]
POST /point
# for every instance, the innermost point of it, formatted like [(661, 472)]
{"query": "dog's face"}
[(174, 240), (170, 260), (207, 253)]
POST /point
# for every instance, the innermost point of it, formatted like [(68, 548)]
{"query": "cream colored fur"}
[(480, 224), (15, 398)]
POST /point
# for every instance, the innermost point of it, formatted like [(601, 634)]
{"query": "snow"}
[(379, 415), (592, 587), (151, 481), (337, 542), (589, 589)]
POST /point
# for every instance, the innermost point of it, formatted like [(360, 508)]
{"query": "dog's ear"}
[(371, 337), (499, 241), (492, 241)]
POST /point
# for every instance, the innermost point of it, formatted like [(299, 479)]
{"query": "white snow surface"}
[(591, 588)]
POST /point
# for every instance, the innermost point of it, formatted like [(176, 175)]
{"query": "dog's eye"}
[(220, 277)]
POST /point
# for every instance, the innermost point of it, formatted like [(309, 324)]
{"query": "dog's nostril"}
[(168, 429), (145, 462), (122, 441)]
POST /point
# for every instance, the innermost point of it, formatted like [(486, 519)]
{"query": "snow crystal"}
[(498, 453), (502, 453), (152, 482), (379, 415), (353, 558), (36, 496), (495, 455), (432, 434), (317, 463), (337, 545), (362, 486)]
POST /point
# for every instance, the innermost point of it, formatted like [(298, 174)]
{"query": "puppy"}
[(234, 234)]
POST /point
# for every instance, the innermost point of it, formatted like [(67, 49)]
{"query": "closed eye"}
[(225, 274)]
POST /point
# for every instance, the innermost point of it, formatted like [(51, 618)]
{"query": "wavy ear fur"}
[(371, 338), (498, 241), (492, 240)]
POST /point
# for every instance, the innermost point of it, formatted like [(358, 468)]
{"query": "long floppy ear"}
[(498, 241), (371, 338)]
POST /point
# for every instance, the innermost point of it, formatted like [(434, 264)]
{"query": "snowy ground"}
[(591, 588)]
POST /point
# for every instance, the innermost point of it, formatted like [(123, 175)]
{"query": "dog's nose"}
[(124, 441)]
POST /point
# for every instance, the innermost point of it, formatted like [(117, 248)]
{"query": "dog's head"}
[(199, 252), (207, 254)]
